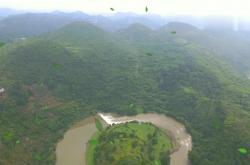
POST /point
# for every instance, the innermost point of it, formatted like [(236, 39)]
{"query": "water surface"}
[(71, 150)]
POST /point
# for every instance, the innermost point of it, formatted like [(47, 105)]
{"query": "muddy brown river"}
[(71, 149)]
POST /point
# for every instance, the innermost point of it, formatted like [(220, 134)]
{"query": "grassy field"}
[(130, 143)]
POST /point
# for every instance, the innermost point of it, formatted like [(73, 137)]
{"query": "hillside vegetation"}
[(131, 143), (60, 77)]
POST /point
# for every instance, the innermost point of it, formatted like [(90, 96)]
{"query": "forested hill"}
[(224, 42), (228, 45), (14, 27), (60, 77)]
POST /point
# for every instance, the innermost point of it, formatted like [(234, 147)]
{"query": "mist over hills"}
[(16, 24), (72, 65)]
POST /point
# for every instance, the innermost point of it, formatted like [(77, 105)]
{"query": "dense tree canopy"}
[(131, 143)]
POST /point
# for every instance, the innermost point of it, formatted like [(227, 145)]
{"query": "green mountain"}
[(228, 45), (60, 77), (24, 25), (28, 25)]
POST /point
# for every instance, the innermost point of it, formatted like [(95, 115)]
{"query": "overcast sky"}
[(163, 7)]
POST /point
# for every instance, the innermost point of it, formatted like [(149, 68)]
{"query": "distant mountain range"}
[(209, 32), (114, 22)]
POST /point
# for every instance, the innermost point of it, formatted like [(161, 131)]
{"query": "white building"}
[(2, 90)]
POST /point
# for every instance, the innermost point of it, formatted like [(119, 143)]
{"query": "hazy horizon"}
[(234, 8)]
